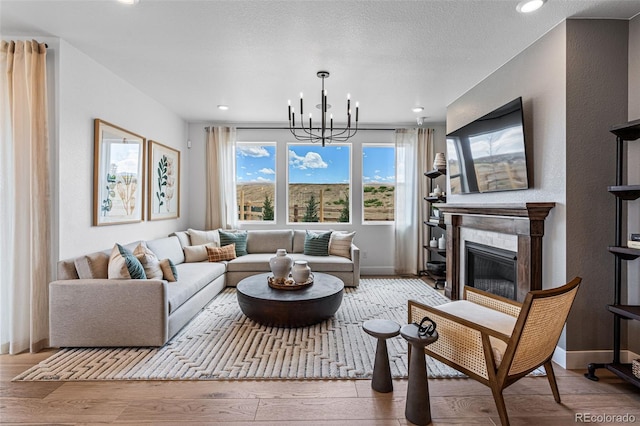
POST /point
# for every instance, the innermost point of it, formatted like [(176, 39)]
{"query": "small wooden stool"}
[(382, 330), (417, 409)]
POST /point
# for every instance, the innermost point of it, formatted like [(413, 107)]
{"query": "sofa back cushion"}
[(93, 265), (269, 241), (183, 236), (167, 248)]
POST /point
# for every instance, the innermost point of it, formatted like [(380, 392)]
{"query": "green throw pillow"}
[(238, 238), (124, 265), (317, 244)]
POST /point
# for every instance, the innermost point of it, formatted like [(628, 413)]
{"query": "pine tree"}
[(311, 211), (267, 208), (344, 213)]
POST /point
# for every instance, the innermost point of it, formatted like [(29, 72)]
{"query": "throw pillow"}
[(340, 244), (218, 254), (149, 261), (169, 271), (239, 238), (317, 244), (124, 265), (204, 237), (196, 253)]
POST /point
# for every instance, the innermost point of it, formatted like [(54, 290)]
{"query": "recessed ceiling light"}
[(128, 1), (223, 107), (527, 6), (417, 109)]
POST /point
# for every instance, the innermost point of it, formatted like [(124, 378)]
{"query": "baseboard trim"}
[(578, 360), (376, 270)]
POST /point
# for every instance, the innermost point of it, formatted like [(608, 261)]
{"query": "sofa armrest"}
[(355, 257), (103, 312)]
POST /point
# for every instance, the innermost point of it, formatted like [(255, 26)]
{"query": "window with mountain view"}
[(319, 183), (256, 180), (378, 183)]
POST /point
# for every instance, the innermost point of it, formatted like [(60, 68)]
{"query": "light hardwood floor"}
[(286, 402)]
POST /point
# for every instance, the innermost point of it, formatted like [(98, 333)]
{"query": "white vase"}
[(300, 271), (442, 243), (280, 264), (440, 161)]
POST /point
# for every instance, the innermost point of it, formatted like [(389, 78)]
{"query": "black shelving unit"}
[(434, 222), (624, 132)]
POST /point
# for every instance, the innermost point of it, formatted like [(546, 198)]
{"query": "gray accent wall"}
[(596, 100), (573, 82)]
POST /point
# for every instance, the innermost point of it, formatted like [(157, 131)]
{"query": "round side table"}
[(381, 329), (417, 409)]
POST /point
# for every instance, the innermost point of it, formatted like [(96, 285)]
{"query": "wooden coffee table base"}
[(290, 308)]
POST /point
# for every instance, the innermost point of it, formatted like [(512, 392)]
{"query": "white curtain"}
[(413, 157), (221, 210), (25, 202)]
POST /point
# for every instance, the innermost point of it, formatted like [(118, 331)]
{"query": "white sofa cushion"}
[(167, 248), (486, 317), (192, 277), (325, 263), (204, 237), (269, 241)]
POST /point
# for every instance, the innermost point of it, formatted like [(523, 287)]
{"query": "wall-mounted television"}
[(489, 153)]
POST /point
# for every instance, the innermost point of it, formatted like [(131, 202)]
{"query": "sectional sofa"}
[(87, 309)]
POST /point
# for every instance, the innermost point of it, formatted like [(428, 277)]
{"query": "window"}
[(378, 182), (256, 180), (319, 183)]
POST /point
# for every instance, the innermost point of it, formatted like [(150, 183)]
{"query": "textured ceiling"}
[(255, 55)]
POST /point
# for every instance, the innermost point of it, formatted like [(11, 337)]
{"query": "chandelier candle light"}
[(322, 134)]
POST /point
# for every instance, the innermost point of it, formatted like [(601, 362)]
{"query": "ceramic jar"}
[(440, 161), (280, 264), (442, 243), (300, 271)]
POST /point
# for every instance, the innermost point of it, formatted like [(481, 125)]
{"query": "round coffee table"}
[(290, 308)]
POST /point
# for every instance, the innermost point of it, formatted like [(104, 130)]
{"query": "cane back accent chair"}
[(497, 341)]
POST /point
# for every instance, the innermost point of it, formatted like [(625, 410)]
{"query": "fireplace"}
[(523, 223), (492, 269)]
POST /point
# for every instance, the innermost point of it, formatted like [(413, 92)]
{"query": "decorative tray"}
[(288, 283)]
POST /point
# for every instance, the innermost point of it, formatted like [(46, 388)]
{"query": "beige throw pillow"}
[(169, 271), (150, 262), (197, 253), (199, 238), (340, 244)]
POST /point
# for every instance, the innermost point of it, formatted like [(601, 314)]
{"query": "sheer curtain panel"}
[(221, 177), (25, 232), (413, 153)]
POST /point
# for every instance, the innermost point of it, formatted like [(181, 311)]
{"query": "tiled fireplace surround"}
[(514, 227)]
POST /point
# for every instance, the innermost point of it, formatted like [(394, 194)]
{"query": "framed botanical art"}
[(164, 182), (118, 175)]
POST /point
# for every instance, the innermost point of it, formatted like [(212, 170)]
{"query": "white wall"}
[(87, 90), (376, 241)]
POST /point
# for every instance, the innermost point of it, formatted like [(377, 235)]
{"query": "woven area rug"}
[(221, 343)]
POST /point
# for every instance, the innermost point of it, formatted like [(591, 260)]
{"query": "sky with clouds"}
[(314, 164)]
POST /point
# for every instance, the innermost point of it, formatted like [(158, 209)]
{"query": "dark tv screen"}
[(488, 154)]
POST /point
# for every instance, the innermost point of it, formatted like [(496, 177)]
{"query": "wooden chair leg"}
[(552, 380), (500, 405)]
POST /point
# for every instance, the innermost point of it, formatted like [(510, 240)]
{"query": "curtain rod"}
[(286, 128)]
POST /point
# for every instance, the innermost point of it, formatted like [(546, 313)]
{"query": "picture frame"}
[(164, 182), (118, 175)]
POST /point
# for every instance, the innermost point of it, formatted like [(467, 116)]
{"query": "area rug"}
[(221, 343)]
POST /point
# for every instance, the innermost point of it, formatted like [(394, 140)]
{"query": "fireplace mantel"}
[(526, 221)]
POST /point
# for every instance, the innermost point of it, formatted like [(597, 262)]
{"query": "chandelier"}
[(323, 133)]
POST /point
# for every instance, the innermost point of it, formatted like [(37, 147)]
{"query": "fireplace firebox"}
[(492, 269)]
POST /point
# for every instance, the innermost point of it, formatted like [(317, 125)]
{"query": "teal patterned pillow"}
[(238, 238), (317, 244), (124, 265)]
